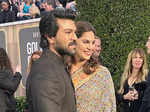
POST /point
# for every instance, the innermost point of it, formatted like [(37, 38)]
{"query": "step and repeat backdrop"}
[(20, 39)]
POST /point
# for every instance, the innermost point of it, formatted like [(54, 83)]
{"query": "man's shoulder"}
[(48, 64), (50, 59)]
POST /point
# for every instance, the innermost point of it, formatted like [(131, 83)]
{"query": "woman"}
[(133, 83), (97, 49), (93, 83), (9, 83), (24, 9), (34, 11)]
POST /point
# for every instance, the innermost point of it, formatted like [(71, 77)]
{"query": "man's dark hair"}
[(48, 24)]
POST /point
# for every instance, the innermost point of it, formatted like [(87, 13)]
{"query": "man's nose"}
[(74, 37)]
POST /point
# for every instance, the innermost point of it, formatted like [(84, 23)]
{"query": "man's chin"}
[(70, 52)]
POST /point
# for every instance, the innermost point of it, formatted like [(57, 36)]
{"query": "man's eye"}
[(67, 32)]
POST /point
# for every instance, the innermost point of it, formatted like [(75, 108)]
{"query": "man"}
[(145, 107), (6, 15), (49, 86)]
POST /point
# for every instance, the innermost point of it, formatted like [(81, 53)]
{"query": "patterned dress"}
[(95, 92)]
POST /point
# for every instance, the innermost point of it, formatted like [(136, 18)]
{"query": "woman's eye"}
[(85, 41)]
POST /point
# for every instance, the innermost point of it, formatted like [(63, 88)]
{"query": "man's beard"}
[(66, 51)]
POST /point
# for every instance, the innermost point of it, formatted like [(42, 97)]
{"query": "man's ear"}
[(51, 40)]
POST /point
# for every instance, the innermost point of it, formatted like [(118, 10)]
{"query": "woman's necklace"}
[(132, 81)]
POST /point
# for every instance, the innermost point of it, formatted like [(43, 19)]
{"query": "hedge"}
[(21, 104), (122, 25)]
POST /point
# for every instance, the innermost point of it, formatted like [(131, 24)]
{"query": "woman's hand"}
[(129, 96), (135, 94)]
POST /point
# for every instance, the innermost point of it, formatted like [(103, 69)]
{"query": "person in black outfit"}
[(6, 15), (9, 83), (145, 107), (14, 7), (49, 86), (47, 7), (133, 81)]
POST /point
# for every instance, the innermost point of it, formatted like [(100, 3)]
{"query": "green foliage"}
[(122, 26), (21, 104)]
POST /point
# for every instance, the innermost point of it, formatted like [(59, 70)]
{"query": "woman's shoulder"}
[(104, 69), (5, 74), (103, 72), (104, 75), (6, 71)]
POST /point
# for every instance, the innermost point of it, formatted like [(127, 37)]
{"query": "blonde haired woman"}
[(133, 81), (34, 11)]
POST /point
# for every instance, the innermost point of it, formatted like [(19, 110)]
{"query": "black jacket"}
[(7, 16), (49, 86), (8, 85), (145, 107)]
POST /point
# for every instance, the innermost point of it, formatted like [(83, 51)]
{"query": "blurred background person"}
[(49, 5), (6, 15), (71, 5), (24, 8), (46, 6), (9, 83), (133, 81), (97, 49), (63, 2), (34, 11), (14, 6), (93, 83)]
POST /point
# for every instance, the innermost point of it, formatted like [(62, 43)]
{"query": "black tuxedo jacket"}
[(49, 86), (145, 107)]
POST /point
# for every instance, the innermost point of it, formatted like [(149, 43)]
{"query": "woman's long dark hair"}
[(89, 67), (4, 60)]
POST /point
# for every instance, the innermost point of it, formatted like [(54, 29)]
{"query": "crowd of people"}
[(16, 10), (68, 76)]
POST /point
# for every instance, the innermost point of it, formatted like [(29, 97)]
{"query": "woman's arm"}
[(9, 82), (108, 94)]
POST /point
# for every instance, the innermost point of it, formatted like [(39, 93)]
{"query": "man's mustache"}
[(72, 43)]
